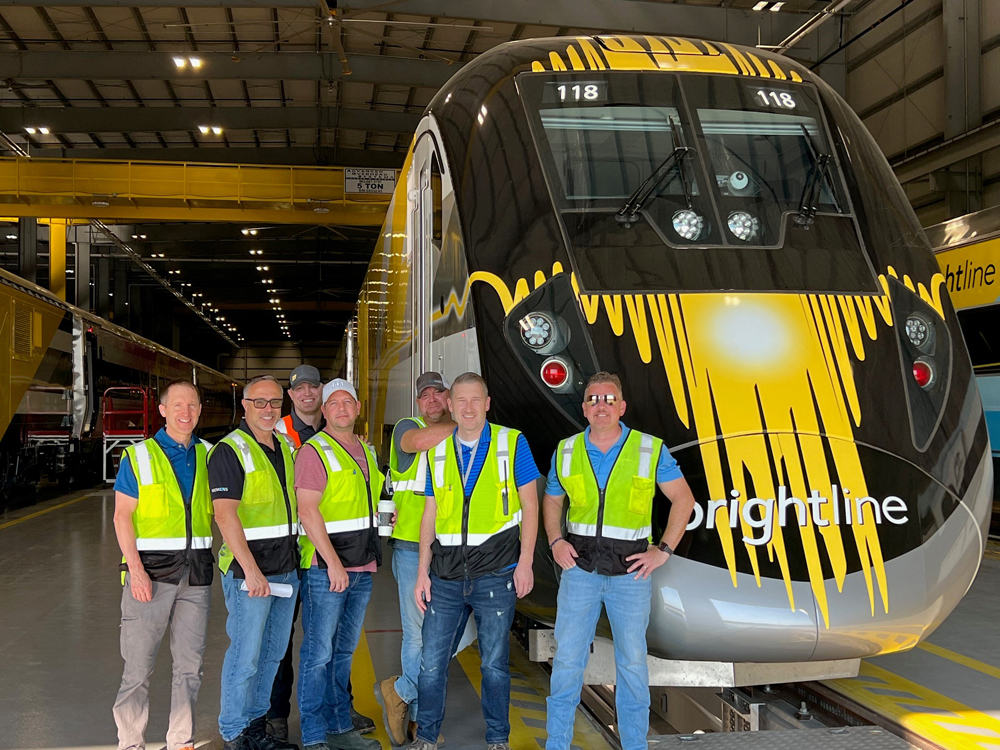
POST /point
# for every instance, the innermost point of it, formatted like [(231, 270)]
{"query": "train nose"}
[(781, 574)]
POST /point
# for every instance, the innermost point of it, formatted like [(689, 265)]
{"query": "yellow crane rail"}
[(183, 191)]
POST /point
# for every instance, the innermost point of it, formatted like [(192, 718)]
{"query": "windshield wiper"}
[(813, 189), (628, 214)]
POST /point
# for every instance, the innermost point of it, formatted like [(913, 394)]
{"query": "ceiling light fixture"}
[(30, 131), (180, 62), (195, 62), (204, 129), (216, 130), (43, 131)]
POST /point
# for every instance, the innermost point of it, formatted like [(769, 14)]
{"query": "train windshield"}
[(647, 161)]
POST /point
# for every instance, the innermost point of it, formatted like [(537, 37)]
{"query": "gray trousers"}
[(185, 609)]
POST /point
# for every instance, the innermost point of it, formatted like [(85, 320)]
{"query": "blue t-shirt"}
[(183, 459), (666, 467), (525, 470)]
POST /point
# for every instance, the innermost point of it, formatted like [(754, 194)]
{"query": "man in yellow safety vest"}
[(412, 437), (610, 474), (252, 481), (163, 520), (477, 543)]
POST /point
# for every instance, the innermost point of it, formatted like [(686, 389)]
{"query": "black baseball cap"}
[(431, 380), (304, 374)]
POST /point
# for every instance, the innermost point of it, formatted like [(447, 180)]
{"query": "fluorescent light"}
[(204, 129), (216, 130), (30, 131), (777, 6), (43, 131), (761, 5), (195, 62), (180, 62)]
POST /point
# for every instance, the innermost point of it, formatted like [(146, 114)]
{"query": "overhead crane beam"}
[(285, 66), (284, 155), (171, 191), (186, 119)]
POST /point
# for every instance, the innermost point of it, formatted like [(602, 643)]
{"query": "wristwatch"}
[(664, 547)]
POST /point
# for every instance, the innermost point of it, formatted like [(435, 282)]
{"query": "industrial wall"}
[(278, 359), (920, 74)]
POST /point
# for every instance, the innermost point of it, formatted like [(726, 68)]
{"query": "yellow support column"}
[(57, 257)]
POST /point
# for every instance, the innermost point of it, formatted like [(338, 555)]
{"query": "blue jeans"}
[(491, 600), (258, 629), (331, 629), (578, 608), (404, 569)]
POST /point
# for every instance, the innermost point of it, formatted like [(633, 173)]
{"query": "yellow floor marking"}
[(38, 513), (363, 680), (927, 714), (965, 661), (522, 735)]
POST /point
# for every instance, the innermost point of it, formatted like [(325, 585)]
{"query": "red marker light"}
[(555, 373), (923, 373)]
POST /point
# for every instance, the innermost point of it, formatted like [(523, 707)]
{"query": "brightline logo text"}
[(759, 514)]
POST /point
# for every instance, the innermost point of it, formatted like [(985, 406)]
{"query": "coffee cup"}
[(386, 510)]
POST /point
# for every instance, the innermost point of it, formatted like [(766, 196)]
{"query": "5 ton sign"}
[(378, 181)]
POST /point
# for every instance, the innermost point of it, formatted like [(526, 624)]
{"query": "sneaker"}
[(261, 740), (241, 742), (394, 710), (351, 741), (497, 746), (278, 728), (362, 724), (419, 744)]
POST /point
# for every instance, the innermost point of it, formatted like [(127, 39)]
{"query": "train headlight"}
[(537, 330), (688, 224), (742, 225), (919, 331)]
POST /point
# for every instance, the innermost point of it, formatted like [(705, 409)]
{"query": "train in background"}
[(714, 224), (968, 252), (76, 389)]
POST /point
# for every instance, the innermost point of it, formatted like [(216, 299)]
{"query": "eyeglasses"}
[(262, 403), (595, 398)]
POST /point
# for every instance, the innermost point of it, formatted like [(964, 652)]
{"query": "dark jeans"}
[(281, 692), (491, 600)]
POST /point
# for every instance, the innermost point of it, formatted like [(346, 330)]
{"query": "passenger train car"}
[(715, 225), (968, 252), (55, 404)]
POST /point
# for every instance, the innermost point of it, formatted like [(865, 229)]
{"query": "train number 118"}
[(776, 99), (576, 93)]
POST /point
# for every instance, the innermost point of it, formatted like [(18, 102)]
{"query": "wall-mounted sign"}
[(970, 273), (379, 181)]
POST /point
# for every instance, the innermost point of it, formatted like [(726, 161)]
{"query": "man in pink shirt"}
[(337, 485)]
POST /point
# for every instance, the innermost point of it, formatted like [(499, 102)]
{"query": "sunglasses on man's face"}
[(261, 403), (595, 398)]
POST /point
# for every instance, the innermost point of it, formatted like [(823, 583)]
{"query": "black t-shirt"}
[(305, 430), (226, 478)]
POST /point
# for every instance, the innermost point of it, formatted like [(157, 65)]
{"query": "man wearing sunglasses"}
[(610, 474), (252, 480)]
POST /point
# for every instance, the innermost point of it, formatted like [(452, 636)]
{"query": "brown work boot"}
[(394, 710)]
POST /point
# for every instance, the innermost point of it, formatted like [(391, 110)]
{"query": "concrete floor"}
[(60, 665)]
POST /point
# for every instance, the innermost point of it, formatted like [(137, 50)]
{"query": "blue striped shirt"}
[(525, 470)]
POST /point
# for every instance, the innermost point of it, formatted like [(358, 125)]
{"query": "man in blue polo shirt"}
[(163, 517), (477, 542), (610, 474)]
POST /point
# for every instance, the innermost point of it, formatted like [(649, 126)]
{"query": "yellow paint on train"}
[(27, 326), (970, 273)]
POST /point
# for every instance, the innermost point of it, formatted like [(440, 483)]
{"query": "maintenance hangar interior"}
[(777, 220)]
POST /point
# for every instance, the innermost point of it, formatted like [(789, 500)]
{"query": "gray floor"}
[(60, 665)]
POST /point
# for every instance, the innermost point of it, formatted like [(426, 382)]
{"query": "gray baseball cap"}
[(433, 380), (304, 374)]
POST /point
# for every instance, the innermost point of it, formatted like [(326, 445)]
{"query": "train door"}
[(444, 321)]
